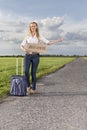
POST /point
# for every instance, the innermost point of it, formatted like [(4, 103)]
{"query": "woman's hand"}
[(27, 51), (55, 41), (24, 49)]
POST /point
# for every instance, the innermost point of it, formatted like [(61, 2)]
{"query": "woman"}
[(33, 58)]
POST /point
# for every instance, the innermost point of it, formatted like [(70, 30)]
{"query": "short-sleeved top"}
[(34, 39)]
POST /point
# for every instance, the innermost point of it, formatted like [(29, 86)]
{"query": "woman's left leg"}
[(35, 62)]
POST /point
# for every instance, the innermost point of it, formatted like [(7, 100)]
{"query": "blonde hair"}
[(37, 30)]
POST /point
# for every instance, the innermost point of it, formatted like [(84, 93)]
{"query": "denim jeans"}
[(33, 61)]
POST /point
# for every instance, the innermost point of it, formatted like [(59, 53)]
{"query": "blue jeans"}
[(33, 61)]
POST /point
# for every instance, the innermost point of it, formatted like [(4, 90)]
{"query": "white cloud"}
[(13, 29), (73, 32), (52, 22), (50, 27)]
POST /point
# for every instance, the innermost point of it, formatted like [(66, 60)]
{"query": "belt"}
[(33, 53)]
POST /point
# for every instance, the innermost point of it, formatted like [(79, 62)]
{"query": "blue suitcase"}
[(18, 83)]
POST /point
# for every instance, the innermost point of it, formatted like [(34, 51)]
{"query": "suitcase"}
[(18, 84)]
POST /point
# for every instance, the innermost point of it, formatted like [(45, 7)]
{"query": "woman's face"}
[(33, 27)]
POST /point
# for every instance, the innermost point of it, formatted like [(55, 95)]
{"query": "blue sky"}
[(37, 8), (67, 18), (42, 8)]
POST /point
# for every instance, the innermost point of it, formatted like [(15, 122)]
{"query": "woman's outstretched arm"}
[(55, 41)]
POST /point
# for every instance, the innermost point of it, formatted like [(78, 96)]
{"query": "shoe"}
[(28, 90), (32, 91)]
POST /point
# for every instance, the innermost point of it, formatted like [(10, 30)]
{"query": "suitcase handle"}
[(17, 63)]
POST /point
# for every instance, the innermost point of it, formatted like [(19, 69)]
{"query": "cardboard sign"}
[(38, 48)]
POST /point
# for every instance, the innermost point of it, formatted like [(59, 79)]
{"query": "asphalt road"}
[(60, 104)]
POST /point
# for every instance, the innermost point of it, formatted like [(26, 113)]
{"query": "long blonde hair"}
[(37, 30)]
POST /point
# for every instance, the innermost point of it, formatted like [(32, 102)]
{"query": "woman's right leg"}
[(27, 62)]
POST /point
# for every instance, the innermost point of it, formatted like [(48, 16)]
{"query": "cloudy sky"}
[(56, 18)]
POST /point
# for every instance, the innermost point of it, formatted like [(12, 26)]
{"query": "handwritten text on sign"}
[(39, 48)]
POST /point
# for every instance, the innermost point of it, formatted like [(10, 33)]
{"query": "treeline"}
[(45, 56)]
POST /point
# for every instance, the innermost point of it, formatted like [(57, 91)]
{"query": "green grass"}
[(85, 57), (47, 65)]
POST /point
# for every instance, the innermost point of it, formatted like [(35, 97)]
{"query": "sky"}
[(56, 18)]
